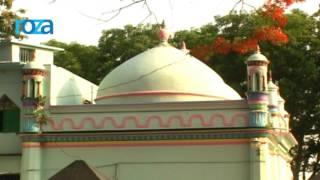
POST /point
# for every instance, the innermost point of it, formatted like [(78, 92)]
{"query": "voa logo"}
[(34, 26)]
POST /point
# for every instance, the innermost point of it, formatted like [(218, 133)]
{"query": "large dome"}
[(163, 74)]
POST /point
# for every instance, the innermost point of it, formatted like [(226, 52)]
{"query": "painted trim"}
[(156, 106), (204, 142), (152, 135), (124, 123), (158, 93)]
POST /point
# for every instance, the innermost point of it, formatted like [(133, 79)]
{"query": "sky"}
[(84, 20)]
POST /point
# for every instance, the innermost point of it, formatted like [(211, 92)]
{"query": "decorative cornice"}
[(159, 93), (257, 63), (33, 72), (152, 121), (160, 143), (159, 106), (151, 135)]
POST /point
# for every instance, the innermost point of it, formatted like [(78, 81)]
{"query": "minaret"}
[(32, 91), (279, 117), (273, 106), (273, 95), (257, 94), (33, 73), (257, 68)]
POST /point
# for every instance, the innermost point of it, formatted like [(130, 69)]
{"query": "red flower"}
[(221, 46), (272, 34)]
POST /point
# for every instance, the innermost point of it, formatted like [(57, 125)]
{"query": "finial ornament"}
[(270, 75), (183, 47), (164, 34), (258, 49)]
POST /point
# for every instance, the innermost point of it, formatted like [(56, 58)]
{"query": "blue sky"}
[(72, 22)]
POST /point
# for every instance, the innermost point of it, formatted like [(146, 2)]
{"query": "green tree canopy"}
[(7, 19), (296, 67), (118, 45), (79, 59)]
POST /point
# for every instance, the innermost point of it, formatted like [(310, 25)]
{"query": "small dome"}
[(257, 57), (280, 99), (34, 65), (163, 74), (272, 86)]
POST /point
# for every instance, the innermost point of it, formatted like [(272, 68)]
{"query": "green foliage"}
[(7, 19), (196, 37), (119, 45), (296, 67), (79, 59)]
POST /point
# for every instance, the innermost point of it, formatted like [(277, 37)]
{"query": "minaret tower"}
[(279, 117), (32, 92), (257, 92)]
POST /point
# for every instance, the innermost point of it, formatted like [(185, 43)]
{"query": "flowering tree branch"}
[(271, 30)]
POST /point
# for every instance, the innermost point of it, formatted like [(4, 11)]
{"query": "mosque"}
[(161, 115)]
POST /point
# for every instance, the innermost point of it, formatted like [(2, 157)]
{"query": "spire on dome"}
[(257, 56), (258, 49), (164, 35), (183, 47), (270, 75)]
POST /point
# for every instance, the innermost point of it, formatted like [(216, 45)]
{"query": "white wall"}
[(15, 53), (5, 53), (10, 143), (10, 83), (44, 56), (10, 151), (10, 164), (227, 162), (67, 88), (41, 55)]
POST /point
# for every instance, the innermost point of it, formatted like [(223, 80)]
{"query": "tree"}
[(297, 72), (118, 45), (7, 19), (269, 20), (296, 66), (79, 59)]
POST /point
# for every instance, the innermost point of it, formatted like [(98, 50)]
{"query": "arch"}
[(9, 115), (31, 88)]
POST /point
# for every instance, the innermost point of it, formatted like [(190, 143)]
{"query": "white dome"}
[(257, 57), (163, 74)]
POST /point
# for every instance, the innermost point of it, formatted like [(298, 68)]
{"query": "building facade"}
[(161, 115)]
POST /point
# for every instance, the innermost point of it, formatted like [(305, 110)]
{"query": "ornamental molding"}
[(147, 107), (152, 121)]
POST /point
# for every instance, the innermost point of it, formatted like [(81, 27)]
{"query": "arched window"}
[(38, 90), (249, 83), (263, 84), (257, 81), (9, 115), (31, 87), (23, 90)]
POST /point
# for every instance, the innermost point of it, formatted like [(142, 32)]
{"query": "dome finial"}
[(258, 49), (164, 34), (270, 75), (183, 47)]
